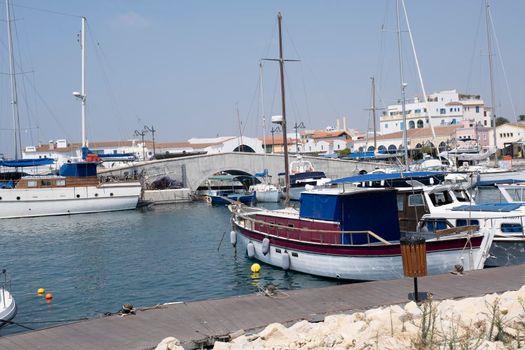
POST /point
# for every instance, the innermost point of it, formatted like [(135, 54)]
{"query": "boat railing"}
[(305, 233)]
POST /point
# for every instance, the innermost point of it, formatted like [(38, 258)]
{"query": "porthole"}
[(78, 196), (0, 198), (111, 194), (17, 198), (96, 194)]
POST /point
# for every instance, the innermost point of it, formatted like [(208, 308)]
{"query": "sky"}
[(191, 68)]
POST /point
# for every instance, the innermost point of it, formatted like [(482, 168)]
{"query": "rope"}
[(271, 290)]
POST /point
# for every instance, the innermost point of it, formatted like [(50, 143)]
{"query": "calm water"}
[(94, 263)]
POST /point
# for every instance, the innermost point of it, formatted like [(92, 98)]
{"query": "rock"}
[(219, 345), (169, 343), (274, 329), (413, 309)]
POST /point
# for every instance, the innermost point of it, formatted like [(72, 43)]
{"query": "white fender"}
[(265, 245), (250, 250), (233, 238), (286, 261)]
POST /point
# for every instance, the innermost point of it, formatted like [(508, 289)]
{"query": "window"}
[(400, 202), (411, 124), (45, 183), (477, 109), (511, 228), (431, 225), (462, 195), (61, 182), (416, 200), (442, 111), (31, 183), (419, 124), (466, 222), (440, 198), (386, 126)]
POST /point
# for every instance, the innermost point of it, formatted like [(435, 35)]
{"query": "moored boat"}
[(349, 234), (8, 306)]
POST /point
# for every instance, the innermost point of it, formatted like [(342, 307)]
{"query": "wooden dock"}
[(202, 322)]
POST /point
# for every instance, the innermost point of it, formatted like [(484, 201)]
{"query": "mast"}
[(374, 111), (14, 96), (283, 124), (261, 92), (491, 76), (83, 91), (403, 86)]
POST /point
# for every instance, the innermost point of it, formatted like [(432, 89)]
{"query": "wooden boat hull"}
[(17, 203), (365, 262)]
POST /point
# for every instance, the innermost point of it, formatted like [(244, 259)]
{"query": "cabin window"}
[(511, 228), (45, 183), (433, 225), (294, 254), (416, 200), (516, 194), (440, 198), (462, 196), (277, 250), (466, 222), (400, 202), (61, 182), (31, 183)]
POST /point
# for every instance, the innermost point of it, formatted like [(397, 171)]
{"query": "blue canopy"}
[(264, 173), (21, 163), (499, 207), (381, 177)]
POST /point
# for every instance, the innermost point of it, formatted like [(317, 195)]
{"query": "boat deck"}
[(200, 322)]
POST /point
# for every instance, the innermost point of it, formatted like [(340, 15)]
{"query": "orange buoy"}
[(49, 296)]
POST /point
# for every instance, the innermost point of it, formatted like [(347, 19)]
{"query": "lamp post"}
[(297, 126), (141, 134), (273, 131), (152, 131)]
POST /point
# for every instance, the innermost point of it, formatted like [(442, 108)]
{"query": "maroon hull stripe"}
[(344, 250)]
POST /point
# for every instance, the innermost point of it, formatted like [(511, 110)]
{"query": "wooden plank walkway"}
[(202, 321)]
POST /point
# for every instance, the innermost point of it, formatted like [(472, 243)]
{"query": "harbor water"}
[(94, 263)]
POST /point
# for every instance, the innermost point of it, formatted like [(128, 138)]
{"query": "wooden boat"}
[(349, 234)]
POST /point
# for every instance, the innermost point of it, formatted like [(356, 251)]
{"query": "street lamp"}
[(297, 126), (152, 131), (141, 134), (273, 131)]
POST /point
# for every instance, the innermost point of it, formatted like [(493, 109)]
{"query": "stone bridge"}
[(193, 171)]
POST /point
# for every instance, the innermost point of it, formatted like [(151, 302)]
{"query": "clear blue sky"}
[(183, 66)]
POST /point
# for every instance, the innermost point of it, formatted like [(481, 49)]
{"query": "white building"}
[(443, 108)]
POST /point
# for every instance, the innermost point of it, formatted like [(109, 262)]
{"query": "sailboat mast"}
[(491, 76), (403, 86), (374, 111), (283, 124), (14, 96), (83, 91), (261, 92)]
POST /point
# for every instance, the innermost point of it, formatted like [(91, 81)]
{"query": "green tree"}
[(501, 121), (521, 117), (344, 152)]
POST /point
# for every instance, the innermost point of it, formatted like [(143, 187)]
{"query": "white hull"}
[(268, 196), (502, 175), (16, 203), (7, 307), (295, 193), (365, 267)]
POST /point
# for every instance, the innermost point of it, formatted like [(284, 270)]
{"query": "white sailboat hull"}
[(16, 203), (367, 267), (7, 307), (268, 196)]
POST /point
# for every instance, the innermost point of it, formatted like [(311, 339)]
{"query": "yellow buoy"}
[(49, 296), (40, 291), (255, 268)]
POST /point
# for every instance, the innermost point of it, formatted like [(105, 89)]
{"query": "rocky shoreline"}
[(493, 321)]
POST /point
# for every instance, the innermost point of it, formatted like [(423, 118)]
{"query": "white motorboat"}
[(7, 302)]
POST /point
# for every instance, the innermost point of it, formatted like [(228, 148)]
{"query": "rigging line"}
[(112, 97), (502, 65), (48, 11), (250, 109), (472, 57), (381, 57), (24, 89)]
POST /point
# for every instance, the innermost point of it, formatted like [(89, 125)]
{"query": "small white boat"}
[(266, 193), (7, 302)]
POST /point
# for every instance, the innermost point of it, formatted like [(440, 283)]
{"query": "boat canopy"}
[(264, 173), (500, 207), (355, 211), (383, 177), (79, 169), (21, 163)]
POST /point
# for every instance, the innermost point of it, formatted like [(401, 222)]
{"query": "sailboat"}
[(8, 306), (76, 189), (265, 191), (346, 232)]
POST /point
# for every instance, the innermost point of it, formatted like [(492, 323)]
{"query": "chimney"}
[(338, 127), (344, 123)]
